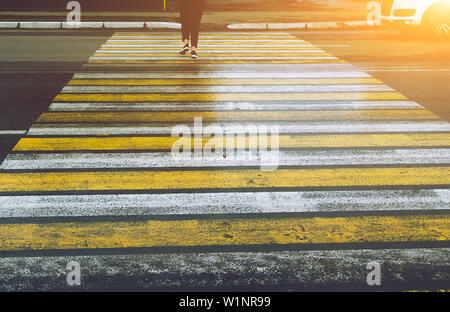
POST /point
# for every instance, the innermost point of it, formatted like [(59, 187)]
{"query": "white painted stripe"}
[(217, 34), (231, 35), (278, 270), (334, 65), (203, 35), (230, 106), (222, 203), (225, 74), (284, 127), (322, 45), (241, 159), (226, 40), (207, 45), (267, 33), (209, 58), (12, 132), (215, 51), (225, 89)]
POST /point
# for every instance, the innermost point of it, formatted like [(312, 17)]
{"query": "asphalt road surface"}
[(363, 167)]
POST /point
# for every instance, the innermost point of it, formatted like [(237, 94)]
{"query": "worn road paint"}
[(222, 179), (224, 232)]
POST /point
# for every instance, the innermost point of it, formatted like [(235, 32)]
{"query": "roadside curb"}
[(306, 26), (170, 25), (88, 25)]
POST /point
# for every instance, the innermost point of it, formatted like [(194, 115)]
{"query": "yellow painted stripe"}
[(220, 179), (221, 48), (285, 141), (224, 232), (208, 97), (103, 117), (189, 61), (215, 54), (221, 81)]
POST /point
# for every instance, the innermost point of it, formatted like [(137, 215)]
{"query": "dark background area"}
[(91, 5), (157, 5)]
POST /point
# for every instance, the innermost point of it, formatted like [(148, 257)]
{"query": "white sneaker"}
[(185, 49)]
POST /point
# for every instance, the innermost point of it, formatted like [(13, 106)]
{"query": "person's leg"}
[(185, 20), (198, 8), (185, 24)]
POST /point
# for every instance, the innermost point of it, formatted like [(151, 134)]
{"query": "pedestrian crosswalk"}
[(216, 49), (361, 168)]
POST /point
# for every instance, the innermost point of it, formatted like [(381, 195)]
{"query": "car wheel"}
[(436, 21)]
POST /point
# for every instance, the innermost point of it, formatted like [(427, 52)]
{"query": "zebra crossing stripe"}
[(231, 106), (224, 203), (224, 232), (227, 89), (211, 56), (305, 127), (205, 97), (233, 45), (192, 61), (290, 141), (202, 74), (206, 81), (213, 52), (183, 117), (210, 43), (61, 159), (221, 41), (259, 58), (222, 179), (204, 37), (221, 49)]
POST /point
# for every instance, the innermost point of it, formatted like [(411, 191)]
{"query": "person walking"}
[(191, 12)]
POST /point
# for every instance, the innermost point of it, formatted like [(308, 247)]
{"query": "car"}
[(433, 16)]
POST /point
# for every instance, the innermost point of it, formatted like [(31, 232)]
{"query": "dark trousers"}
[(191, 14)]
